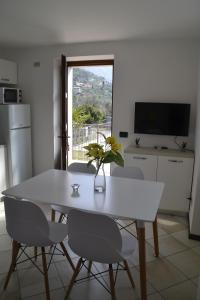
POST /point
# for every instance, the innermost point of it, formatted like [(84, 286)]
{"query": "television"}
[(162, 118)]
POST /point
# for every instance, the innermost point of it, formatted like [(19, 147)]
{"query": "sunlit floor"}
[(174, 275)]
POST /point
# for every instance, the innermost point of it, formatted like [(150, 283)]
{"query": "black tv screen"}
[(162, 118)]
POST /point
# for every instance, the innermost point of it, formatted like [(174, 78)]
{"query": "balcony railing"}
[(86, 134)]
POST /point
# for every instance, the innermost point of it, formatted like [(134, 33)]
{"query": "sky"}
[(105, 71)]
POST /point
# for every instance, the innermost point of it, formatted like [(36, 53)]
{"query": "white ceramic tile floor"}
[(162, 274), (183, 291), (187, 262), (174, 276), (169, 245), (182, 236)]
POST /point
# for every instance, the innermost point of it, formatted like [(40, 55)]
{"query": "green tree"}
[(87, 114)]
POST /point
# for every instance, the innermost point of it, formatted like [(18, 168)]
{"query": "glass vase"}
[(100, 180)]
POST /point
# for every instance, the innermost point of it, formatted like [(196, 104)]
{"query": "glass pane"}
[(91, 108)]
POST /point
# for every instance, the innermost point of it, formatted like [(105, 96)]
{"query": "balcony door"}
[(89, 106)]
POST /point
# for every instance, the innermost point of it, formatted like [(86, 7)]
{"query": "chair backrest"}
[(128, 172), (26, 223), (82, 168), (94, 237)]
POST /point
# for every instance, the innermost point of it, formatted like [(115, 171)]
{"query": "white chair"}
[(77, 168), (28, 227), (136, 173), (81, 168), (128, 172), (97, 238)]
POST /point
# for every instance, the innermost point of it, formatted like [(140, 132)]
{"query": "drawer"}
[(147, 163)]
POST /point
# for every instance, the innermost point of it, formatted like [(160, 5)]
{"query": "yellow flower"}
[(96, 153), (92, 146), (105, 153), (110, 140), (116, 147)]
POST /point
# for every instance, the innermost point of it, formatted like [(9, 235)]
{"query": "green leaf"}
[(90, 162), (109, 157), (86, 147), (100, 133), (118, 159)]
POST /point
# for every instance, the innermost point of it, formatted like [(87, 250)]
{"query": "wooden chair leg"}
[(15, 250), (53, 215), (76, 272), (67, 255), (112, 282), (129, 273), (155, 237), (46, 280), (89, 266)]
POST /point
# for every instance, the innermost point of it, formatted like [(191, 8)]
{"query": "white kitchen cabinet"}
[(173, 167), (8, 72), (176, 173), (147, 163), (3, 168)]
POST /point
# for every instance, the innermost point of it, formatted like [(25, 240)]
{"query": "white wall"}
[(150, 70), (195, 204)]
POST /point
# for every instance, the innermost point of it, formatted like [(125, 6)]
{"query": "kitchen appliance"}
[(3, 168), (15, 132), (10, 95)]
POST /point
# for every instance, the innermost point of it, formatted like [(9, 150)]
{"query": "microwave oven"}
[(10, 95)]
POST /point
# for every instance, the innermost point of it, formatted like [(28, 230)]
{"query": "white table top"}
[(124, 198)]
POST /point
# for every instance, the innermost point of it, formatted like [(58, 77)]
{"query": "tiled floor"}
[(173, 276)]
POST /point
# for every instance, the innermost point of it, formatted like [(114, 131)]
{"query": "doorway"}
[(90, 102)]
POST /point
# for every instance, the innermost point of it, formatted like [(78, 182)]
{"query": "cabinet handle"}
[(175, 160), (139, 157), (5, 79)]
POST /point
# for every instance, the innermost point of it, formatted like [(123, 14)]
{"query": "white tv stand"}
[(171, 166)]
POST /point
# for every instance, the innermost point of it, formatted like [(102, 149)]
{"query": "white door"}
[(19, 116), (20, 156)]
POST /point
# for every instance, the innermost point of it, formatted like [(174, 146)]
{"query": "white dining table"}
[(123, 198)]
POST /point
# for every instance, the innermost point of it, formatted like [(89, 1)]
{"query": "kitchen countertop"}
[(159, 152)]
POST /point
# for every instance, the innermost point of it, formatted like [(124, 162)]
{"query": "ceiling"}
[(49, 22)]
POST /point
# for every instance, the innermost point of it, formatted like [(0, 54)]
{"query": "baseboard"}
[(172, 212), (191, 235)]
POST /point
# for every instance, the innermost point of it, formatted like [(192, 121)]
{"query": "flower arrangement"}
[(107, 153)]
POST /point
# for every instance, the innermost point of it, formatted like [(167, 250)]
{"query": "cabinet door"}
[(21, 157), (176, 173), (147, 163), (8, 72), (3, 169)]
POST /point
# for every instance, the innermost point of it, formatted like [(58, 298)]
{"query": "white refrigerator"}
[(15, 133)]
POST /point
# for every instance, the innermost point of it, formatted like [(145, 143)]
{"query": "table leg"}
[(142, 258), (155, 237)]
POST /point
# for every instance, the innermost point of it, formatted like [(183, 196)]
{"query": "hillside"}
[(89, 88)]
